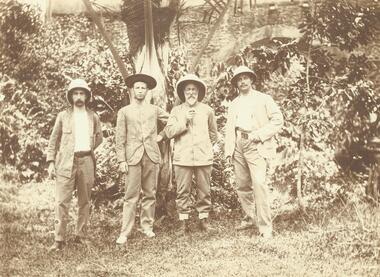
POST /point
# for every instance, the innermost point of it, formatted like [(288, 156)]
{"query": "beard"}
[(191, 100)]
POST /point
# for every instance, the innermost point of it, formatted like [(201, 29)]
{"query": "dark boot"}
[(57, 246), (204, 225), (184, 227)]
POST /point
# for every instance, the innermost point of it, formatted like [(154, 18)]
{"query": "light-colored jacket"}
[(267, 120), (136, 131), (62, 140), (192, 141)]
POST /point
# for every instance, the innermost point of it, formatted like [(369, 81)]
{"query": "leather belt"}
[(81, 154), (242, 133)]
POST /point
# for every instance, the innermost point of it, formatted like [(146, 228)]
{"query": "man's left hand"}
[(159, 138), (254, 137)]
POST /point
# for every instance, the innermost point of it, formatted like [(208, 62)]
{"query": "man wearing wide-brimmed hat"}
[(192, 124), (138, 155), (253, 119), (76, 133)]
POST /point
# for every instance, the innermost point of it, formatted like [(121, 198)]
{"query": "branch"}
[(103, 32), (210, 36)]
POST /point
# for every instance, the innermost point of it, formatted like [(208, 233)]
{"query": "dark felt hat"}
[(141, 77)]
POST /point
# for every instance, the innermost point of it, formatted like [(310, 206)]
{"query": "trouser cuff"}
[(203, 215), (183, 216)]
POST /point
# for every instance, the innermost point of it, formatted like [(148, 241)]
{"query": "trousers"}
[(251, 175), (142, 176), (184, 178), (81, 179)]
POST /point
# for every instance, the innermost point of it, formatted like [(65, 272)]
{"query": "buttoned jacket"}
[(192, 140), (267, 120), (136, 131), (62, 140)]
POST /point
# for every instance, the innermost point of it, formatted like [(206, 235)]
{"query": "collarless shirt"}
[(81, 131), (244, 114)]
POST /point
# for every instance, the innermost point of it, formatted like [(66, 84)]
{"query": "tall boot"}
[(204, 225), (184, 227)]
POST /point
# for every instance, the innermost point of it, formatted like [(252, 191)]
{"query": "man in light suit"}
[(77, 132), (138, 154), (192, 124), (252, 121)]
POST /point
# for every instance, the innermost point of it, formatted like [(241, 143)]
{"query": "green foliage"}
[(323, 92), (33, 90), (18, 24), (340, 23)]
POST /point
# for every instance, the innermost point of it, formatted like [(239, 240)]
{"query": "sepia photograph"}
[(189, 138)]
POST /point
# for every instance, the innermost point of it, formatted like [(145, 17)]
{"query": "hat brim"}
[(250, 73), (140, 77), (181, 88), (69, 96)]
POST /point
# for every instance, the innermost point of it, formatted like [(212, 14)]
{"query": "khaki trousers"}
[(82, 179), (143, 175), (250, 172), (184, 178)]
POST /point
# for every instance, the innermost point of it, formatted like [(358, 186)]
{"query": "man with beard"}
[(138, 155), (252, 121), (192, 124), (76, 133)]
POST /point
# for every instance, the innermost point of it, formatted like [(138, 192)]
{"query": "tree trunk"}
[(301, 202), (300, 170)]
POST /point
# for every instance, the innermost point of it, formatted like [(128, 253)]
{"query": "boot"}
[(184, 227), (57, 246), (204, 225)]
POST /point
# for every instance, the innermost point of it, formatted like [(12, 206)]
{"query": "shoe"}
[(121, 240), (205, 226), (57, 246), (245, 225), (82, 241), (266, 235), (149, 233)]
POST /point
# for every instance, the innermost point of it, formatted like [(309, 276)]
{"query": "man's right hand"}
[(229, 160), (190, 115), (51, 170), (123, 167)]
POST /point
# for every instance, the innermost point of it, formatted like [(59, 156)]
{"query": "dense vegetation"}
[(329, 99)]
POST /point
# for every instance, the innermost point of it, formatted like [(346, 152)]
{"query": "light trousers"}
[(82, 179), (184, 178), (142, 176), (253, 192)]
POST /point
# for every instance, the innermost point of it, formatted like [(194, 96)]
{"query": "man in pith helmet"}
[(192, 124), (138, 155), (252, 121), (77, 132)]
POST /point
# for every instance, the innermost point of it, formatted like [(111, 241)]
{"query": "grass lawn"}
[(345, 244)]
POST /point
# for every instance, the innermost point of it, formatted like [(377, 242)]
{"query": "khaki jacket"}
[(192, 141), (136, 131), (267, 120), (62, 139)]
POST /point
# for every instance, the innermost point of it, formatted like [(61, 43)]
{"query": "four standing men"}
[(253, 119), (76, 133)]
